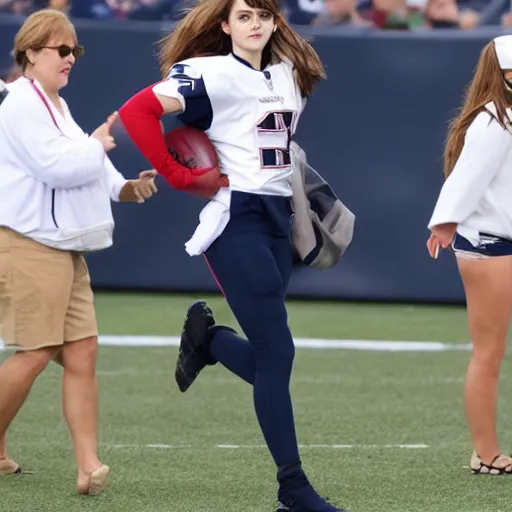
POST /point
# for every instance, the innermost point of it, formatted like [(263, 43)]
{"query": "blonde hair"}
[(487, 85), (38, 30)]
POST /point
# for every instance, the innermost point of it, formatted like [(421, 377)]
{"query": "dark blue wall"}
[(374, 129)]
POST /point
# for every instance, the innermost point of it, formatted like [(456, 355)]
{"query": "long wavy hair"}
[(199, 34), (487, 85)]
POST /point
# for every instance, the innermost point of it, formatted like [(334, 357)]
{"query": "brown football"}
[(193, 149)]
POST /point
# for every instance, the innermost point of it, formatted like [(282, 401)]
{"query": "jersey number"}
[(279, 124)]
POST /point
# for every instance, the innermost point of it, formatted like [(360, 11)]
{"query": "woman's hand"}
[(102, 133), (441, 237), (140, 189)]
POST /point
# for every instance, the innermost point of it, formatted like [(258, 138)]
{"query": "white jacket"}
[(477, 194), (56, 184)]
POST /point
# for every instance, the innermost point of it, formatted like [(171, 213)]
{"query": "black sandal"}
[(478, 467)]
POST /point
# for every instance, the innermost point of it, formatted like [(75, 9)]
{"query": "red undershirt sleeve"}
[(140, 116)]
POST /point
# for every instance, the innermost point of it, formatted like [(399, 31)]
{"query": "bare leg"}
[(488, 287), (17, 375), (3, 446), (80, 405)]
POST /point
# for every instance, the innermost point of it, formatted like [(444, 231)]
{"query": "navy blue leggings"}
[(253, 269)]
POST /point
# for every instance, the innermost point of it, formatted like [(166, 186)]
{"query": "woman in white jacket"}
[(473, 216), (56, 184)]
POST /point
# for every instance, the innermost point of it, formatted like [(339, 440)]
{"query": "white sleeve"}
[(182, 82), (171, 89), (115, 179), (49, 155), (485, 148)]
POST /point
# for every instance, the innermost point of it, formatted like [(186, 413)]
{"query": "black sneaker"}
[(330, 508), (195, 337), (296, 494), (298, 502)]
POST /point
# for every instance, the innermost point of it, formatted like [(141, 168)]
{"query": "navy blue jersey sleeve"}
[(187, 85)]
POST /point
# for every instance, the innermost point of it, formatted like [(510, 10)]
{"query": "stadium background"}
[(374, 130), (379, 373)]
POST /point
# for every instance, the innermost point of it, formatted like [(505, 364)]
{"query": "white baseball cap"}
[(503, 45)]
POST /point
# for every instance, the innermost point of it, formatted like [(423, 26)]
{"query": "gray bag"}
[(323, 226)]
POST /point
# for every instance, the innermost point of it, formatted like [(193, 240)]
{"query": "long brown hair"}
[(199, 34), (487, 85)]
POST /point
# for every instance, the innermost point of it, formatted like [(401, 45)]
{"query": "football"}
[(193, 149)]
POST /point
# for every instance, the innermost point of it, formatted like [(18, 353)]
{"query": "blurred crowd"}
[(147, 10), (401, 14), (376, 14)]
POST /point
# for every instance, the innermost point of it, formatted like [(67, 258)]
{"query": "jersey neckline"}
[(248, 64)]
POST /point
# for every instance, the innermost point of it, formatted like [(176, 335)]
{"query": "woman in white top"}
[(56, 187), (473, 215)]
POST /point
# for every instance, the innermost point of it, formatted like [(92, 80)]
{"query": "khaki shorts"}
[(45, 294)]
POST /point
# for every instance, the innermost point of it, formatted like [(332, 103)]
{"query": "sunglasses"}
[(64, 50)]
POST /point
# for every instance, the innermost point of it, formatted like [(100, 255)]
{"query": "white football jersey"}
[(249, 115)]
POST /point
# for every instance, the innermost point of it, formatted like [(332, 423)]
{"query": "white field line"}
[(308, 343), (262, 446)]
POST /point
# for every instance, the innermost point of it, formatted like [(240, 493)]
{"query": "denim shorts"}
[(488, 246)]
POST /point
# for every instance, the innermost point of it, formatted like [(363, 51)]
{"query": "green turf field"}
[(353, 410)]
